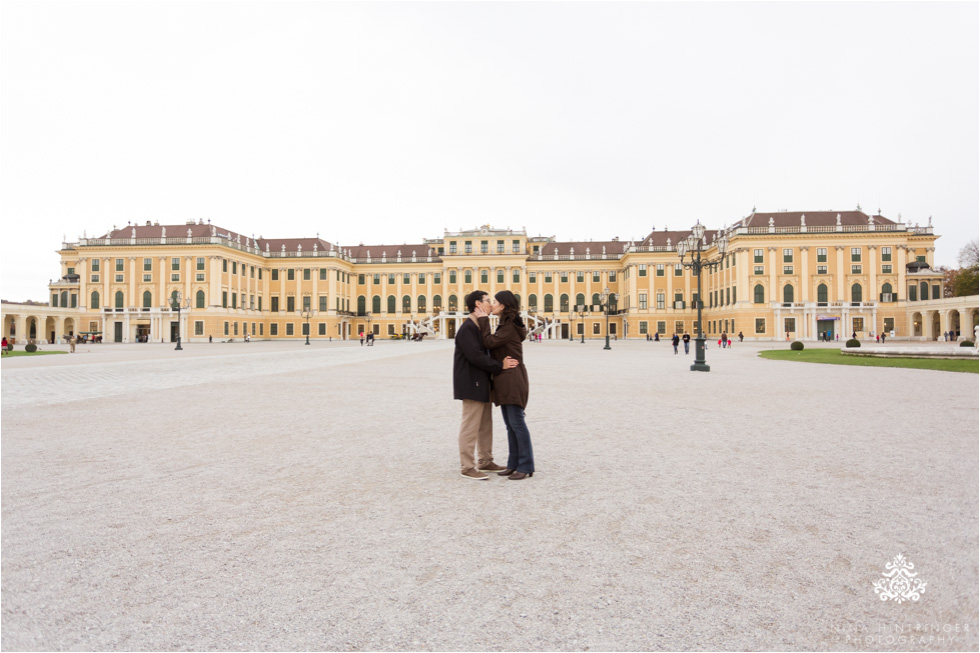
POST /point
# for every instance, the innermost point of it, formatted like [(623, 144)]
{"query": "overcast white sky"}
[(389, 122)]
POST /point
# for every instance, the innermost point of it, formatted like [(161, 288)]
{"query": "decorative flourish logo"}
[(899, 582)]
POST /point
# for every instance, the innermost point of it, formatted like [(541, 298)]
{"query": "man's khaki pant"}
[(476, 430)]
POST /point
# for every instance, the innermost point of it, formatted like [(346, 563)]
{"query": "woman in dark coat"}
[(510, 387)]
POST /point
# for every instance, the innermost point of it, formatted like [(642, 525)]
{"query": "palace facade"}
[(798, 275)]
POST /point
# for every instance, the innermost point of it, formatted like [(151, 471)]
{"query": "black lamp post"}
[(580, 309), (605, 307), (695, 244), (306, 313), (176, 303), (369, 317)]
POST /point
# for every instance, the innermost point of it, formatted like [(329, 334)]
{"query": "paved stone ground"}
[(275, 496)]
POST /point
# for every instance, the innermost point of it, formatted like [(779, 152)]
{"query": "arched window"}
[(173, 298), (595, 299), (421, 303), (64, 298), (563, 303), (856, 293), (613, 301), (923, 291), (147, 299), (376, 304), (532, 302), (518, 297), (886, 288), (822, 294), (95, 299), (437, 301), (579, 299), (391, 303), (549, 303), (787, 294), (406, 304), (120, 300), (361, 304), (760, 294), (453, 304), (200, 299)]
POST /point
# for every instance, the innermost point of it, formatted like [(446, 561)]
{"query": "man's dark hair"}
[(473, 298)]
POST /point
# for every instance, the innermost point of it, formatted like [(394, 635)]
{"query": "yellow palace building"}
[(798, 275)]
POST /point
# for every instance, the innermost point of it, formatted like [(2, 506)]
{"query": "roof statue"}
[(838, 219), (189, 232), (163, 234), (133, 235), (803, 220)]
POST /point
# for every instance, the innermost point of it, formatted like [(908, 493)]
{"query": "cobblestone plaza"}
[(272, 495)]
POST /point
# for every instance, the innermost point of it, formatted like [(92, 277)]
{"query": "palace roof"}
[(813, 218)]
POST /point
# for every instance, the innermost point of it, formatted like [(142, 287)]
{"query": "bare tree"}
[(970, 255)]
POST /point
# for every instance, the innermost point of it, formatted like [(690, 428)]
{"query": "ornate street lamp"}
[(306, 312), (605, 297), (695, 244), (580, 309), (176, 303)]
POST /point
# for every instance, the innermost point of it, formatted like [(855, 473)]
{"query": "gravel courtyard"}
[(274, 496)]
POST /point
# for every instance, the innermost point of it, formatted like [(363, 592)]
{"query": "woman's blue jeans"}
[(521, 458)]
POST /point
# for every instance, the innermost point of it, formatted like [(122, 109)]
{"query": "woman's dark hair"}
[(512, 306)]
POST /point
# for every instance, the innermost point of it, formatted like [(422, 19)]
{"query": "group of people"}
[(369, 338), (489, 367)]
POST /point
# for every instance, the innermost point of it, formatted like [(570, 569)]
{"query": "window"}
[(500, 247), (323, 274), (920, 259), (936, 291), (200, 276), (595, 277), (516, 246), (95, 265), (856, 294), (564, 277), (679, 327), (760, 269), (549, 303), (500, 276), (889, 324), (532, 302), (757, 256), (563, 303), (291, 275), (406, 279), (678, 270), (595, 328), (234, 300), (886, 293), (175, 263), (306, 273), (886, 253), (643, 270), (857, 324), (226, 328), (580, 277), (468, 248), (612, 276), (199, 299), (760, 325), (198, 328), (821, 269), (886, 269), (421, 277), (94, 303), (437, 302), (787, 256), (517, 276), (643, 303), (175, 277), (484, 247), (787, 294), (822, 294), (452, 247), (95, 278), (291, 304), (119, 278), (420, 302), (289, 328), (547, 277), (855, 269), (306, 302), (760, 294), (360, 279), (790, 325), (322, 329), (391, 303), (275, 274), (787, 269), (678, 299), (437, 278), (120, 299), (855, 254), (406, 304), (147, 265), (484, 277), (147, 278), (323, 304), (274, 307), (468, 276), (660, 300), (119, 265), (452, 276), (821, 255), (661, 327)]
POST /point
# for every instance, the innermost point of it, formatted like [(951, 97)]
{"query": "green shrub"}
[(10, 346), (796, 346), (853, 342), (966, 343), (30, 348)]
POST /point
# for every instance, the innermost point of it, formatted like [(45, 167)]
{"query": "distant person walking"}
[(687, 342), (510, 386), (740, 336), (675, 340), (71, 343), (4, 351), (724, 340)]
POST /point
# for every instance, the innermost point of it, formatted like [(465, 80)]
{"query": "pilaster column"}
[(841, 283), (214, 281), (804, 274), (873, 274)]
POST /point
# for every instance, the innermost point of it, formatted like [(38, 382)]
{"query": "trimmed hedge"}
[(30, 348), (853, 342), (966, 343), (796, 346)]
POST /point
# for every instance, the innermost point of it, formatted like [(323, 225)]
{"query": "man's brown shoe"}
[(491, 467), (473, 474)]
